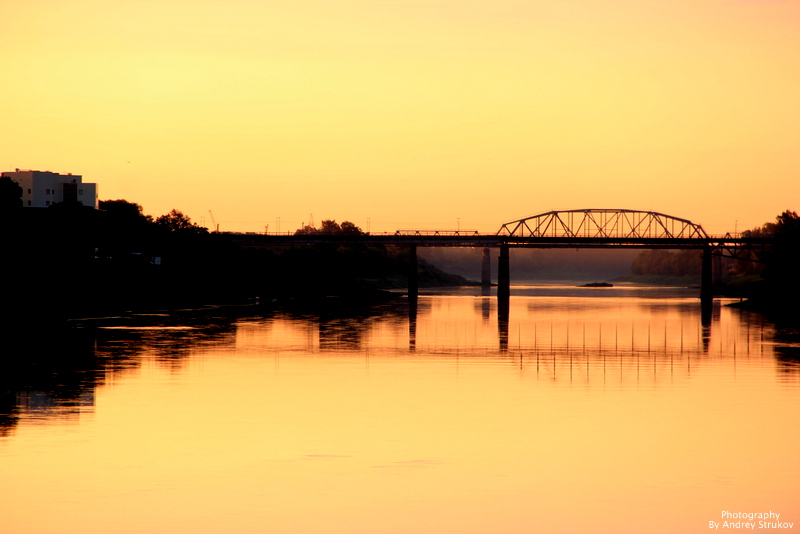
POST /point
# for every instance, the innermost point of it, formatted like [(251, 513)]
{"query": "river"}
[(574, 410)]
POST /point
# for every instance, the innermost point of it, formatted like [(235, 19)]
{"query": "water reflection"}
[(503, 310), (52, 376), (565, 337), (444, 413), (413, 302), (786, 338), (46, 376), (485, 305)]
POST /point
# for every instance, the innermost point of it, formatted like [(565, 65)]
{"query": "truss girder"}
[(754, 252), (603, 223)]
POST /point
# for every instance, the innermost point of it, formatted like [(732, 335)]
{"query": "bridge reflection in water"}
[(654, 332), (590, 337)]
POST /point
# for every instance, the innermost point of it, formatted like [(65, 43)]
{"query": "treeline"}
[(668, 263), (330, 227), (778, 266), (69, 259), (355, 270), (72, 260), (781, 272)]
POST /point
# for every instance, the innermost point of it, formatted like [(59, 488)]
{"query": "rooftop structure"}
[(41, 189)]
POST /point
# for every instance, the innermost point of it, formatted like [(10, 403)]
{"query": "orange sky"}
[(410, 114)]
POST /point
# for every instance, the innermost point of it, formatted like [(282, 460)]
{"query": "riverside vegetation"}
[(70, 260)]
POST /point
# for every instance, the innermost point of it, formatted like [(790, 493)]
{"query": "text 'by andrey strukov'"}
[(750, 521)]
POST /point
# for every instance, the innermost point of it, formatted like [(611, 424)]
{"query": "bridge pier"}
[(503, 274), (486, 271), (707, 277), (717, 276)]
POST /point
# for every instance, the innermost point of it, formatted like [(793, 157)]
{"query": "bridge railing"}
[(449, 233), (405, 232)]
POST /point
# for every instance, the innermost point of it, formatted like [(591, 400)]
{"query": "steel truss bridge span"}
[(603, 224), (584, 228)]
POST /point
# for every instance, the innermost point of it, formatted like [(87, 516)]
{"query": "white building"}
[(41, 189)]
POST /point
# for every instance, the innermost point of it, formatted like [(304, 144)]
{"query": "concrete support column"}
[(707, 277), (503, 274), (413, 272), (486, 271)]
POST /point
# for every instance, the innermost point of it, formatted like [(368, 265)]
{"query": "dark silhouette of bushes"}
[(72, 260), (782, 262)]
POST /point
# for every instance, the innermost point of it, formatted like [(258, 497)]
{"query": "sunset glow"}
[(410, 114)]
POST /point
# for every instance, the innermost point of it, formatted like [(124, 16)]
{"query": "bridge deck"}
[(492, 240)]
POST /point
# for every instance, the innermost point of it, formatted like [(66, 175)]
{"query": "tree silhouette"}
[(176, 221), (10, 194), (331, 227), (122, 210), (349, 228), (781, 271)]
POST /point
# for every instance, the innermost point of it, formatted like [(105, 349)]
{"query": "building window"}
[(29, 203), (29, 191), (80, 191), (47, 203), (46, 191)]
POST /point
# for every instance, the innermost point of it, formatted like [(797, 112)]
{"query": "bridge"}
[(583, 228)]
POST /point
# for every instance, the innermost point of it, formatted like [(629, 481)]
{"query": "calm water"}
[(575, 410)]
